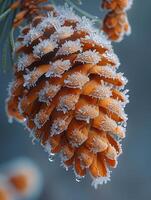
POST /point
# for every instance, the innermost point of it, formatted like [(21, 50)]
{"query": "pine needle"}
[(12, 43), (4, 56), (4, 14)]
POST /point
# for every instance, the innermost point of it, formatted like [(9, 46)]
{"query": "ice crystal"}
[(48, 92), (91, 57), (65, 32), (101, 92), (76, 80), (86, 113), (70, 47), (58, 126), (67, 102), (45, 47), (32, 35), (23, 61), (58, 67), (101, 180), (31, 78)]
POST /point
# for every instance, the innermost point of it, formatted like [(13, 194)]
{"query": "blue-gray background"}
[(131, 180)]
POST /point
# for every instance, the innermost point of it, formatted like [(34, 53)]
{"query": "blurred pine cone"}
[(68, 93), (115, 23), (28, 9)]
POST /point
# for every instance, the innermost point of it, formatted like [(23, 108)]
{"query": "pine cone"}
[(116, 4), (29, 9), (68, 93), (115, 23)]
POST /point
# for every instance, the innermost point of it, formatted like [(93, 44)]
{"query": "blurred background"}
[(131, 180)]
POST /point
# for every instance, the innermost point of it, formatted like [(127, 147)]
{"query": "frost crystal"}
[(58, 68), (76, 80), (86, 113), (32, 35), (101, 92), (101, 180), (45, 47), (59, 125), (48, 92), (67, 103), (50, 21), (41, 118), (23, 61), (64, 32), (84, 25), (70, 47), (77, 138), (107, 72), (99, 38), (116, 107), (31, 78), (67, 13), (122, 78), (91, 57), (107, 124), (47, 148), (110, 55)]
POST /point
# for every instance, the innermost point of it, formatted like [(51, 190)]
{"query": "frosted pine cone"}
[(29, 9), (68, 93), (117, 4), (115, 23)]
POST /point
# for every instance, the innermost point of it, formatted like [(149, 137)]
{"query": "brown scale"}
[(84, 127)]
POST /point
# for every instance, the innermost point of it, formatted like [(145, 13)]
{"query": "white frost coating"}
[(107, 124), (76, 80), (48, 92), (126, 96), (117, 108), (67, 13), (17, 45), (101, 180), (45, 47), (99, 38), (62, 162), (59, 125), (130, 3), (86, 113), (23, 61), (77, 138), (107, 72), (40, 119), (30, 78), (67, 102), (49, 22), (58, 68), (122, 78), (101, 92), (70, 47), (33, 34), (47, 148), (110, 55), (84, 25), (11, 86), (91, 57), (64, 32)]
